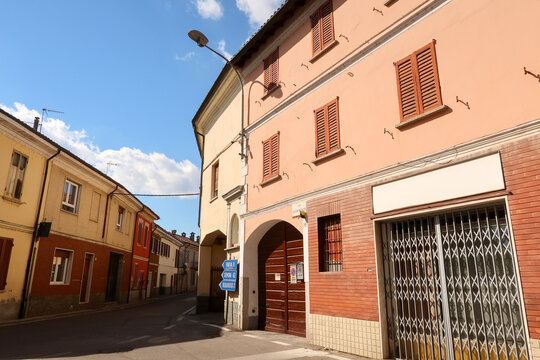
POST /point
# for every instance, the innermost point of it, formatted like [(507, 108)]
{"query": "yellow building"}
[(23, 161), (217, 126)]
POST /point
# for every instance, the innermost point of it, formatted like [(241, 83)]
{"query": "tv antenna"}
[(47, 111), (109, 164)]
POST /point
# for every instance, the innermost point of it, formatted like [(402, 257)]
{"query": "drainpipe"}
[(107, 210), (200, 180), (133, 248), (28, 277)]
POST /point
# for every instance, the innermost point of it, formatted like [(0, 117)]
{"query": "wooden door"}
[(282, 304), (85, 279)]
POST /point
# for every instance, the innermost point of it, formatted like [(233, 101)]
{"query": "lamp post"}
[(202, 41)]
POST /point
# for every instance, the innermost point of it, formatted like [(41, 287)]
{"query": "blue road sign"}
[(229, 274), (230, 264), (228, 285)]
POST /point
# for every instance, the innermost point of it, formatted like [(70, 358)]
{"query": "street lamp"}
[(202, 41)]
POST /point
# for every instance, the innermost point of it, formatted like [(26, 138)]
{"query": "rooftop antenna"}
[(109, 164), (45, 110)]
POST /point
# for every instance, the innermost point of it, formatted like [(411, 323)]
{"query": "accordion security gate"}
[(451, 287)]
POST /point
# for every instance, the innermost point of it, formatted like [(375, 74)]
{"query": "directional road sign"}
[(229, 274), (229, 285), (230, 264)]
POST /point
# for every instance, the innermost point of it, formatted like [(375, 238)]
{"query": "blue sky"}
[(128, 80)]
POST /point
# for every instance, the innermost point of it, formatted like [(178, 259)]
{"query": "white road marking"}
[(135, 339), (189, 310), (216, 326), (289, 355), (180, 318), (169, 327), (252, 336), (281, 343)]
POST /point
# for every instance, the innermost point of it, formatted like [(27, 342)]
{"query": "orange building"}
[(392, 178)]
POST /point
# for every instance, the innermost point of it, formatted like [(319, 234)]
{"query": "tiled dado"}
[(535, 349), (353, 336)]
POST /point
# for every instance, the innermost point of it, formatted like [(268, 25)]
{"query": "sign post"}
[(229, 275)]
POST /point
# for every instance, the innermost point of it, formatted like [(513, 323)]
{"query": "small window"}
[(418, 83), (5, 255), (120, 218), (16, 175), (61, 266), (322, 28), (271, 157), (271, 73), (146, 233), (215, 179), (70, 198), (330, 245), (139, 233), (327, 129)]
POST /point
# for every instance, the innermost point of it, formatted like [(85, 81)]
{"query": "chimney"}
[(183, 234), (36, 122), (198, 238), (192, 236), (173, 232)]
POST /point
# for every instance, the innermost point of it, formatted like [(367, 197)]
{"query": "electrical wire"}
[(159, 195)]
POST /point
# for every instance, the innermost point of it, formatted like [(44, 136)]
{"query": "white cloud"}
[(139, 172), (221, 48), (209, 9), (186, 57), (258, 11)]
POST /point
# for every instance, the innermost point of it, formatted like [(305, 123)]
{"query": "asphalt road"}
[(166, 329)]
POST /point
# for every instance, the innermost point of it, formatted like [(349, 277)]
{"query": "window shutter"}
[(266, 159), (271, 70), (275, 69), (267, 76), (316, 31), (5, 254), (428, 78), (320, 132), (327, 24), (275, 155), (418, 83), (333, 126)]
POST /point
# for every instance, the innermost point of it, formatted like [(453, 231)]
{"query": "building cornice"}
[(451, 155)]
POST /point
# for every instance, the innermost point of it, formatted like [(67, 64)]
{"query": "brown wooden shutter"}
[(5, 255), (271, 71), (333, 126), (267, 76), (327, 24), (275, 68), (320, 132), (428, 78), (418, 83), (275, 155), (316, 31), (267, 152)]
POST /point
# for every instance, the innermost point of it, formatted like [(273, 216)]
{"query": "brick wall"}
[(351, 293), (521, 166)]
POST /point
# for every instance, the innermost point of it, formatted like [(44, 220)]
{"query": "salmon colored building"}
[(392, 179)]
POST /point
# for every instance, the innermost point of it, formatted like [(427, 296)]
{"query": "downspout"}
[(154, 228), (28, 277), (200, 180), (107, 210), (132, 250)]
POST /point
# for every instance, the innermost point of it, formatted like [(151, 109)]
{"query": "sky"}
[(128, 82)]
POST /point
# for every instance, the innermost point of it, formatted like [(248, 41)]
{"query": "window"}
[(330, 247), (61, 266), (16, 175), (139, 231), (418, 83), (70, 198), (120, 218), (165, 250), (271, 74), (155, 245), (146, 233), (215, 178), (322, 28), (135, 280), (5, 255), (271, 157), (327, 129)]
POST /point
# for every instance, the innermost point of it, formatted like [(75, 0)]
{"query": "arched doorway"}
[(282, 301)]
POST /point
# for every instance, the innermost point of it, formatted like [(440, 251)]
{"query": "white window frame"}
[(120, 218), (16, 175), (66, 271), (66, 205)]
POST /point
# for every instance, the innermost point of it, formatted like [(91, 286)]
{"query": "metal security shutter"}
[(451, 287)]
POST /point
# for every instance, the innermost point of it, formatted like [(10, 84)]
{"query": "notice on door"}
[(277, 277), (294, 279)]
